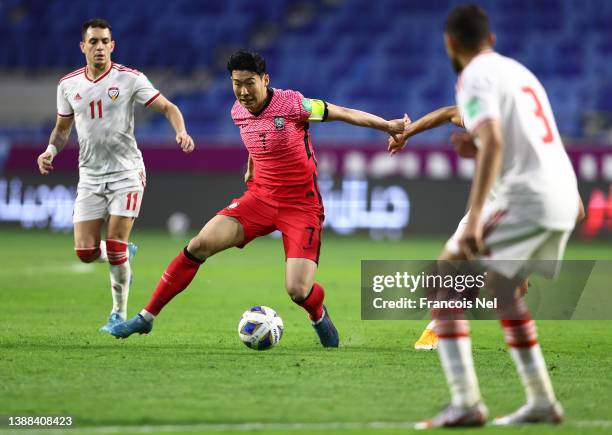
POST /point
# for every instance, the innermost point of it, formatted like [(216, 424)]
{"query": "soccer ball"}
[(260, 328)]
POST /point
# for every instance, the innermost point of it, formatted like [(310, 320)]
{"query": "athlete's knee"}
[(297, 289), (200, 247), (88, 255)]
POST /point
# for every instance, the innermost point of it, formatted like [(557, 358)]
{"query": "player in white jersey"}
[(465, 148), (99, 99), (507, 113)]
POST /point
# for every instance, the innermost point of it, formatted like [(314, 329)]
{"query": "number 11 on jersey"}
[(92, 107)]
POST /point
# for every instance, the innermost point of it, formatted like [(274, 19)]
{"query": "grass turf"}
[(192, 369)]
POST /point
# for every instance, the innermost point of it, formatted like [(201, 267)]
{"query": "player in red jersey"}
[(283, 193)]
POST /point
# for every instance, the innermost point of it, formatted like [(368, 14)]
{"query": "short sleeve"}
[(144, 92), (300, 111), (63, 106), (478, 100)]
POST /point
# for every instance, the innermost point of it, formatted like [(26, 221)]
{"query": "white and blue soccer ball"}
[(260, 328)]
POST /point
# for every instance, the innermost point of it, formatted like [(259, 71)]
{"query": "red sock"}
[(519, 328), (116, 251), (313, 303), (175, 279), (520, 333)]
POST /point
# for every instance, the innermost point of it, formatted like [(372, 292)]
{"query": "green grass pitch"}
[(192, 374)]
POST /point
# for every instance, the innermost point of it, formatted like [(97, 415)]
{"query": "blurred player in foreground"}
[(99, 99), (506, 111), (283, 193), (465, 148)]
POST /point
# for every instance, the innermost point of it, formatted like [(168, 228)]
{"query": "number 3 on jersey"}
[(92, 108), (131, 201), (539, 112)]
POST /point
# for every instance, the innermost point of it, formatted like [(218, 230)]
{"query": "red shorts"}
[(300, 224)]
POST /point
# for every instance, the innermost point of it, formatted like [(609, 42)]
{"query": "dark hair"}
[(243, 60), (95, 23), (469, 25)]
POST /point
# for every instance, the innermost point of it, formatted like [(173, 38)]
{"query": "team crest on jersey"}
[(279, 122), (113, 93)]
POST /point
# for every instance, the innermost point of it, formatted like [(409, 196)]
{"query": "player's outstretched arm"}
[(174, 115), (443, 115), (394, 127), (57, 142)]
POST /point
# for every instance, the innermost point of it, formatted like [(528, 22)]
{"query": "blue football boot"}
[(136, 324), (327, 332), (114, 319), (132, 250)]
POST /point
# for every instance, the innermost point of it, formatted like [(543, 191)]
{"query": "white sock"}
[(103, 258), (147, 316), (120, 287), (431, 325), (532, 370), (458, 365)]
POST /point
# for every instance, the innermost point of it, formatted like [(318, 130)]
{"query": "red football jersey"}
[(279, 143)]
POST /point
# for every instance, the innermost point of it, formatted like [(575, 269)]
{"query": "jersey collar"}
[(110, 67), (266, 104)]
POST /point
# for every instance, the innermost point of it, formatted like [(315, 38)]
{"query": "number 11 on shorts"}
[(132, 201)]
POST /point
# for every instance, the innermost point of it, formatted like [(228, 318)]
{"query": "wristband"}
[(52, 149)]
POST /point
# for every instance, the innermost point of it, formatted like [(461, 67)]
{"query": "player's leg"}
[(304, 291), (521, 335), (220, 233), (302, 288), (124, 198), (120, 270), (428, 339), (87, 240), (301, 226), (455, 353), (88, 217)]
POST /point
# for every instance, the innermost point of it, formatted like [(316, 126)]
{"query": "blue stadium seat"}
[(378, 55)]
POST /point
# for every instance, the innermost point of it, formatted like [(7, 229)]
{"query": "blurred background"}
[(386, 57)]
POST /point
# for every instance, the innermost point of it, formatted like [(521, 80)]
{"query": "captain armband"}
[(316, 108)]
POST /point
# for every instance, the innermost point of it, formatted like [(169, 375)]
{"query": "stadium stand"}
[(364, 54)]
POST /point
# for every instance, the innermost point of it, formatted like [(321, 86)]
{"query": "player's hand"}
[(44, 162), (464, 144), (397, 141), (185, 142), (471, 243), (396, 127)]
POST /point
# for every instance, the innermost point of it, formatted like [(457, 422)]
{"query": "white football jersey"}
[(103, 111), (537, 179)]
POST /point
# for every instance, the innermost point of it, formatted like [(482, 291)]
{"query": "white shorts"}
[(515, 247), (119, 198)]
